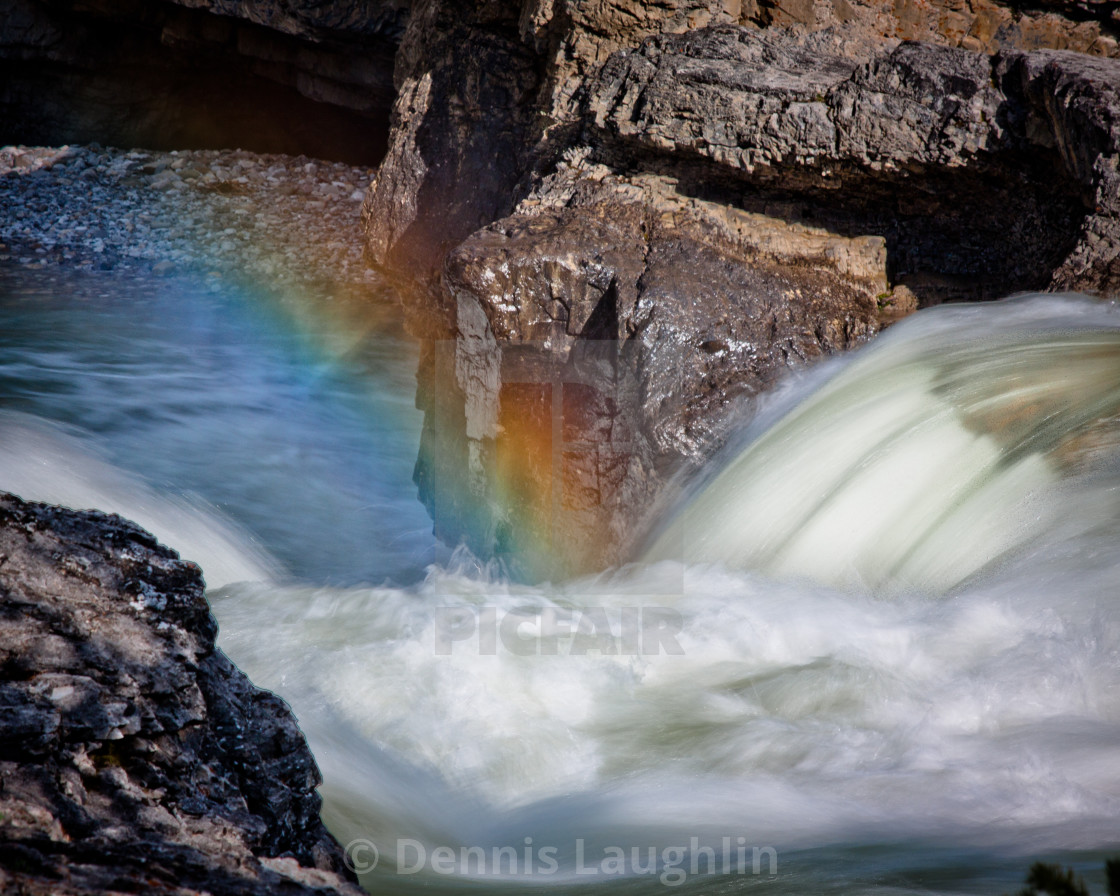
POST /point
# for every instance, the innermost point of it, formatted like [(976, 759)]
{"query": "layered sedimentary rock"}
[(318, 21), (133, 755), (292, 77), (616, 221), (491, 95), (1000, 169), (1085, 26)]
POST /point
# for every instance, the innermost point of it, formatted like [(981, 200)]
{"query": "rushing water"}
[(881, 649)]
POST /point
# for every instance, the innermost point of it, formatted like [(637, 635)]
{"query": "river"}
[(875, 649)]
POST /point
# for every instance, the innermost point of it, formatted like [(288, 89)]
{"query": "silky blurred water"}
[(233, 402), (857, 720)]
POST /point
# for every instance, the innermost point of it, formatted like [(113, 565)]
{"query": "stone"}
[(720, 204), (133, 754), (122, 214), (653, 316), (940, 151)]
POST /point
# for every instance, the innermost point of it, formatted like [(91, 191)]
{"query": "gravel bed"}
[(272, 219)]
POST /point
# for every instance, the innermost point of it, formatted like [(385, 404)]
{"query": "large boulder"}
[(491, 95), (614, 235), (133, 755), (604, 338), (995, 171)]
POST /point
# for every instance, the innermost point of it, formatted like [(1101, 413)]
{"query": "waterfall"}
[(886, 620), (949, 447)]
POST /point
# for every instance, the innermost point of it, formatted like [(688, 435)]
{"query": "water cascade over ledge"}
[(894, 598), (945, 448)]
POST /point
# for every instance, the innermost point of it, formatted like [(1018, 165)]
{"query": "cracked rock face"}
[(133, 754), (627, 323), (490, 96), (629, 230), (315, 20), (940, 150)]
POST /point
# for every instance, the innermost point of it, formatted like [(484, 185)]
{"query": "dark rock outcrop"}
[(317, 21), (134, 756), (300, 77), (488, 98), (491, 95), (617, 221)]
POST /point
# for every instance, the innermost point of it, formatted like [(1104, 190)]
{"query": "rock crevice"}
[(312, 78)]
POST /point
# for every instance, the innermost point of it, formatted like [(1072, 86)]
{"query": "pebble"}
[(271, 219)]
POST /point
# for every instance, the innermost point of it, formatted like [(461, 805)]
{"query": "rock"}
[(687, 207), (133, 754), (487, 95), (144, 212), (1072, 105), (645, 317), (276, 77), (489, 99), (314, 20), (896, 304), (164, 180), (941, 151), (979, 25)]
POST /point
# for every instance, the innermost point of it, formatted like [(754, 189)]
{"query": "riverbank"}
[(274, 219)]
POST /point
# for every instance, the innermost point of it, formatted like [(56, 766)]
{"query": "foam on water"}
[(900, 629), (797, 716), (944, 448), (41, 462), (899, 641)]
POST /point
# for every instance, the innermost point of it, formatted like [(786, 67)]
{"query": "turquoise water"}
[(230, 400), (887, 725)]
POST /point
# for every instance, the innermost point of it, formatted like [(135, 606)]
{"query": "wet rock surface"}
[(133, 755), (278, 221), (629, 322), (995, 171), (491, 97), (690, 202)]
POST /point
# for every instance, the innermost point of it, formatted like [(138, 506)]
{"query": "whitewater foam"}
[(900, 640)]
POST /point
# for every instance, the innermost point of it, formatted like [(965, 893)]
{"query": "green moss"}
[(108, 755)]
